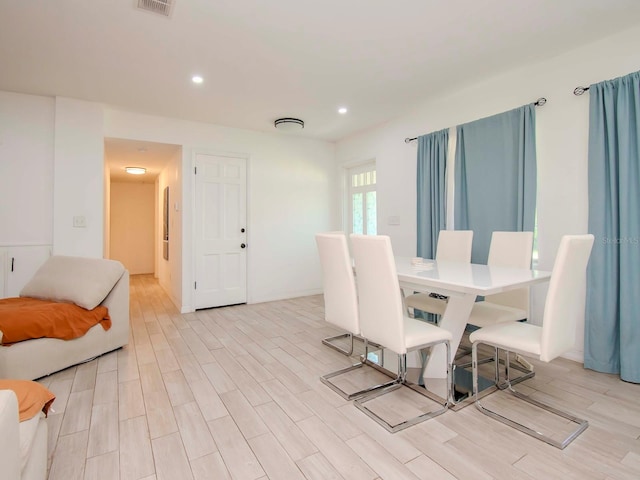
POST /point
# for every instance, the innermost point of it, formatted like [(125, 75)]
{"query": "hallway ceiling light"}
[(197, 79), (289, 124), (136, 170), (342, 110)]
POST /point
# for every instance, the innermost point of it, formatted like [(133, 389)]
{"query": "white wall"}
[(132, 225), (26, 169), (52, 169), (170, 271), (293, 193), (562, 139), (78, 178), (107, 212)]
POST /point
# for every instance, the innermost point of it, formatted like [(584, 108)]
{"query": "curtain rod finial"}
[(540, 102)]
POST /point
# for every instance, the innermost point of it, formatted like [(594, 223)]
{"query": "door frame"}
[(220, 153)]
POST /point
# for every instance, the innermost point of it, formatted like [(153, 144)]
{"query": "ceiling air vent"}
[(163, 7)]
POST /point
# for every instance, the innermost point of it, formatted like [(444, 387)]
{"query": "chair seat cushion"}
[(419, 332), (426, 303), (487, 313), (513, 336)]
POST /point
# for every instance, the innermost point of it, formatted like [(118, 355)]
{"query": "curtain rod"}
[(538, 103), (580, 90)]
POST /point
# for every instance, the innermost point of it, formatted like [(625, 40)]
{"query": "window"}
[(362, 199), (534, 263)]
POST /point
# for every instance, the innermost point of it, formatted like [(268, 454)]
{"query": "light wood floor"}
[(234, 393)]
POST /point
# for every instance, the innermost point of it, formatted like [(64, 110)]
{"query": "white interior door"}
[(220, 231)]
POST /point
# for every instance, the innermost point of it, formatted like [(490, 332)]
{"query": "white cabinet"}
[(18, 263)]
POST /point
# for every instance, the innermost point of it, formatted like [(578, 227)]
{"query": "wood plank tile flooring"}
[(234, 393)]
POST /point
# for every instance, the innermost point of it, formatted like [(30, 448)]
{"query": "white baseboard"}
[(575, 355), (283, 296), (262, 298)]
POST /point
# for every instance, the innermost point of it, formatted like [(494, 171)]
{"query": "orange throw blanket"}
[(25, 318)]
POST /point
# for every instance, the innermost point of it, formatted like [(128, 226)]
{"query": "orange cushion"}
[(32, 397)]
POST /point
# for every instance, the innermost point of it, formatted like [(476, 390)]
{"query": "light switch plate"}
[(394, 220), (80, 221)]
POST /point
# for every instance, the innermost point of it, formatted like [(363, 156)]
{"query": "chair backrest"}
[(340, 299), (511, 249), (566, 296), (454, 245), (379, 299)]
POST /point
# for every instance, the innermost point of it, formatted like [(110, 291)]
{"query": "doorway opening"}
[(142, 217)]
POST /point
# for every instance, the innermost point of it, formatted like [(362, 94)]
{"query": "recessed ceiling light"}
[(136, 170), (342, 110), (197, 79)]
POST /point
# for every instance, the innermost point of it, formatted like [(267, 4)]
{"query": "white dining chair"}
[(383, 319), (564, 307), (341, 304), (507, 249), (453, 246)]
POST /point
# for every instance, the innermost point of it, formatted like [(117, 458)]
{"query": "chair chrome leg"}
[(507, 367), (400, 381), (353, 395), (327, 341), (581, 423), (364, 361)]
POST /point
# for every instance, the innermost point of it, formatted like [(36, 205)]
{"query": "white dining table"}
[(462, 283)]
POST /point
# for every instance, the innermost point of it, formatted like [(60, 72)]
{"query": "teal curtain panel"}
[(495, 177), (612, 328), (431, 190)]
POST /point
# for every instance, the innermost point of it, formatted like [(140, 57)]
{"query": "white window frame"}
[(350, 189)]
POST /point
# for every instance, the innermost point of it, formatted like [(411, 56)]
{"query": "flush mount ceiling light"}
[(342, 110), (162, 7), (289, 124), (197, 79), (136, 170)]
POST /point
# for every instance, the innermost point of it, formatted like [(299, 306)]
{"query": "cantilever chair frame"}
[(364, 360), (401, 380), (328, 342), (343, 275), (383, 317), (348, 352), (563, 306), (508, 387)]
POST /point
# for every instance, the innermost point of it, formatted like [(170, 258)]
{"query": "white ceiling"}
[(120, 153), (262, 60)]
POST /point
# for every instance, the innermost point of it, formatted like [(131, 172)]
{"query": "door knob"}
[(242, 245), (242, 230)]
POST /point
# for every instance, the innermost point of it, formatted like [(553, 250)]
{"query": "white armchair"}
[(23, 445)]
